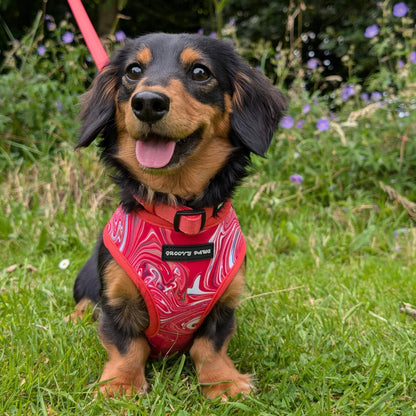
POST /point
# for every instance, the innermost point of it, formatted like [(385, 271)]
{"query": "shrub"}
[(43, 75), (340, 144), (324, 36)]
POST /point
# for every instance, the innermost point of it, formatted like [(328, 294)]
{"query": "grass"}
[(319, 324)]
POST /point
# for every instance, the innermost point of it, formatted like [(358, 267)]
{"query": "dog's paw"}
[(239, 384), (83, 306), (114, 388)]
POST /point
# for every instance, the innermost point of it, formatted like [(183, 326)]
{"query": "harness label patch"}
[(187, 253)]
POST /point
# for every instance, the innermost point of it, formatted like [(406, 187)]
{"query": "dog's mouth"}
[(158, 152)]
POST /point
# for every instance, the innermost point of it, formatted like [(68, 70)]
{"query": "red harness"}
[(181, 261)]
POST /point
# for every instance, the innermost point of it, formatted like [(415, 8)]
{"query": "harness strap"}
[(185, 219), (92, 40)]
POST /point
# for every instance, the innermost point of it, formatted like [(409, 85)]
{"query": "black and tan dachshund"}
[(178, 117)]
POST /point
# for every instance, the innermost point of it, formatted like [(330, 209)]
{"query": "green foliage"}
[(359, 149), (43, 78), (344, 143), (332, 34), (37, 117)]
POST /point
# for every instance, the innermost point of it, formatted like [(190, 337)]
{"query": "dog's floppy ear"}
[(257, 109), (98, 105)]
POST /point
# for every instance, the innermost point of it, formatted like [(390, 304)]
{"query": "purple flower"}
[(67, 37), (412, 57), (296, 178), (200, 31), (403, 114), (59, 105), (376, 96), (213, 35), (51, 26), (347, 92), (371, 31), (365, 97), (41, 50), (287, 122), (322, 124), (306, 108), (400, 64), (48, 17), (400, 9), (232, 22), (312, 63), (120, 36), (300, 124)]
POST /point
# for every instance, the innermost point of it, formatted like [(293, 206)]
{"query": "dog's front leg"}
[(216, 371), (123, 320), (125, 372)]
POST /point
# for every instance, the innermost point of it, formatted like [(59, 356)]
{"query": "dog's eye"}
[(200, 73), (134, 72)]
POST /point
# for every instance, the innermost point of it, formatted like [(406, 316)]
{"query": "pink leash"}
[(92, 40)]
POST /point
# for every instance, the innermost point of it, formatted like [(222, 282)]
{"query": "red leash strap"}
[(92, 40)]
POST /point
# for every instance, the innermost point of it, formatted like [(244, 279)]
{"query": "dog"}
[(178, 118)]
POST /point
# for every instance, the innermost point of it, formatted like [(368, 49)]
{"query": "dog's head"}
[(174, 110)]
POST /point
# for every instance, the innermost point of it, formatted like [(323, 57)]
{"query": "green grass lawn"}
[(319, 325)]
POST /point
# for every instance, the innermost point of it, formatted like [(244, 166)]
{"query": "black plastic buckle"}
[(179, 214)]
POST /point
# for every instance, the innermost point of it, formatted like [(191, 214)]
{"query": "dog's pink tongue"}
[(154, 154)]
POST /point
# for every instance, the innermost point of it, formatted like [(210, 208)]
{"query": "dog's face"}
[(174, 109)]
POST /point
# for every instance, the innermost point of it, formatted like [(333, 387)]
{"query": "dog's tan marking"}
[(117, 283), (144, 56), (216, 371), (123, 295), (125, 373), (231, 296), (189, 56), (81, 307), (240, 85)]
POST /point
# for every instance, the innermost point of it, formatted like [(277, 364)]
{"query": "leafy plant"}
[(43, 75)]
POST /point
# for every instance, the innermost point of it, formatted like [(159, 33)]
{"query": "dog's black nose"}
[(150, 106)]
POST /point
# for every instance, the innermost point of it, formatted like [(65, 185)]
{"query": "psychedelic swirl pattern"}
[(178, 294)]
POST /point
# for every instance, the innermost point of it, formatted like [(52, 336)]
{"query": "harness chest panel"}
[(180, 289)]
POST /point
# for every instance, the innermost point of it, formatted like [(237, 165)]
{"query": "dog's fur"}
[(220, 110)]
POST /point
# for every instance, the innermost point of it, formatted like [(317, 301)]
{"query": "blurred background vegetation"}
[(327, 30)]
